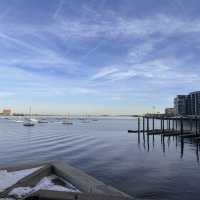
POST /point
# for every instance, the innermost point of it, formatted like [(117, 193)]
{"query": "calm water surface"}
[(141, 166)]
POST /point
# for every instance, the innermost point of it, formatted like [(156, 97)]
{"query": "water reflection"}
[(150, 141), (197, 152)]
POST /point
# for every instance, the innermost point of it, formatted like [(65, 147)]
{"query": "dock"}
[(169, 126)]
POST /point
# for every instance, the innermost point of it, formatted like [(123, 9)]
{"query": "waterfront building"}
[(193, 103), (180, 104), (7, 112), (187, 104), (170, 112)]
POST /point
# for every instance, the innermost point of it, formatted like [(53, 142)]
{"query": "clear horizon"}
[(97, 57)]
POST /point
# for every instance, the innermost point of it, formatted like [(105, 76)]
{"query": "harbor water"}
[(144, 167)]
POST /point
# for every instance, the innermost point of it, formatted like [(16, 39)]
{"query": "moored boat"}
[(67, 121), (28, 121), (42, 121)]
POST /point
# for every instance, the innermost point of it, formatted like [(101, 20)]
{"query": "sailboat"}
[(67, 121), (28, 121)]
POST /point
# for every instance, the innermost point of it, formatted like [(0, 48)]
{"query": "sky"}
[(97, 56)]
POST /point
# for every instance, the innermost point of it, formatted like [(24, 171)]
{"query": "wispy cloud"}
[(105, 72), (125, 27), (113, 26), (58, 9), (92, 50)]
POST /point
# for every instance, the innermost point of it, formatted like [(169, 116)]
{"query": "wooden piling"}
[(196, 125), (191, 124), (153, 125), (199, 125), (163, 130), (181, 126), (167, 123), (138, 124), (143, 121), (147, 124)]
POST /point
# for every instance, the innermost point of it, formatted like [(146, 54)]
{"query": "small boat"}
[(67, 121), (42, 121), (85, 120), (19, 121), (29, 121)]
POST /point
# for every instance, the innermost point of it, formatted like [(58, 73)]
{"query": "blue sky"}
[(97, 56)]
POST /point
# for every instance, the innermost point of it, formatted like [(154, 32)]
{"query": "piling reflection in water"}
[(150, 140)]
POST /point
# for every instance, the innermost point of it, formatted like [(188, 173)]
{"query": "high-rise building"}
[(180, 104), (193, 105), (188, 104)]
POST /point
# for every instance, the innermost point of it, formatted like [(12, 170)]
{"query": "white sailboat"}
[(28, 121), (67, 121)]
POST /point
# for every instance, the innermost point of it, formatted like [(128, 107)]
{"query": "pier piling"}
[(153, 126), (191, 124), (138, 125), (143, 121), (163, 131), (147, 124), (196, 125), (181, 126)]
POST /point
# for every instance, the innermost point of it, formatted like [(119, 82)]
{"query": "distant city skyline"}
[(97, 57)]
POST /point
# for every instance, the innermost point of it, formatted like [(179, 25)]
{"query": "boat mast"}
[(30, 111)]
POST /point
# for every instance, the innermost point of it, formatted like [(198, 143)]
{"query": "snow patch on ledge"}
[(45, 184), (6, 199), (7, 179)]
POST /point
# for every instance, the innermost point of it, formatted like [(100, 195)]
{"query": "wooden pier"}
[(169, 126)]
